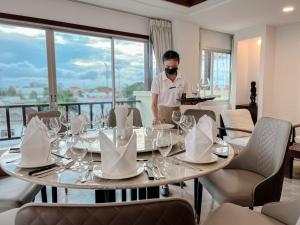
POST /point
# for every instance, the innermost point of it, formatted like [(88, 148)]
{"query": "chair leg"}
[(44, 194), (198, 201), (291, 162), (66, 191), (54, 194)]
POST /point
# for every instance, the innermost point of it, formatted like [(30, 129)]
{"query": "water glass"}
[(176, 117), (187, 122), (164, 144), (66, 122), (149, 133), (54, 125), (78, 151)]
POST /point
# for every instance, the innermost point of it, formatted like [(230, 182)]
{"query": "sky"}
[(82, 61)]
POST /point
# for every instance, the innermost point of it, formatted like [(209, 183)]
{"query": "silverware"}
[(148, 171), (84, 178), (139, 160), (59, 169), (60, 156), (176, 153), (159, 172)]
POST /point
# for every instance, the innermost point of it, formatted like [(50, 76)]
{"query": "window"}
[(216, 69), (129, 68), (23, 73)]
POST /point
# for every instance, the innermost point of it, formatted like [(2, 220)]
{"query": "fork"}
[(89, 170)]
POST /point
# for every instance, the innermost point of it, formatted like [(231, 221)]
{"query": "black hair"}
[(168, 55)]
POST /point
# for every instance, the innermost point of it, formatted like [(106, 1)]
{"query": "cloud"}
[(90, 63), (60, 39), (25, 31)]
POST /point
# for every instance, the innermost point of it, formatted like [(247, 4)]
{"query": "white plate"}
[(98, 173), (163, 126), (50, 162), (211, 158)]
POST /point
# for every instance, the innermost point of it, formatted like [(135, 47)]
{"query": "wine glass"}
[(78, 150), (195, 90), (54, 125), (204, 84), (66, 122), (187, 122), (164, 144), (149, 133), (176, 117)]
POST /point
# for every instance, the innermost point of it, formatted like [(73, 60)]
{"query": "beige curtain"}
[(161, 39)]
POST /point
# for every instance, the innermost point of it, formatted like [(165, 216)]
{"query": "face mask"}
[(171, 71)]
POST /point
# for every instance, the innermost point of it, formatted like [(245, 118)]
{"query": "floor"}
[(291, 190)]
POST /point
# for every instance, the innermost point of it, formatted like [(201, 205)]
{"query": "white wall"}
[(248, 65), (77, 13), (186, 43), (286, 92)]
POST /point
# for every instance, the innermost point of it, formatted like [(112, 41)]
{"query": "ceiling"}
[(226, 16), (188, 3)]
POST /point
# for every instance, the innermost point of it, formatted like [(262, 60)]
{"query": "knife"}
[(41, 170)]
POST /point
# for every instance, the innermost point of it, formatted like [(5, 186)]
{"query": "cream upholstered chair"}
[(15, 192), (165, 113), (137, 119), (279, 213), (149, 212), (236, 127), (255, 176)]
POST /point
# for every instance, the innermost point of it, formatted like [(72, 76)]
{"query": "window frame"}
[(210, 68), (85, 30)]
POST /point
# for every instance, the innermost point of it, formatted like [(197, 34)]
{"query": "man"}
[(166, 88)]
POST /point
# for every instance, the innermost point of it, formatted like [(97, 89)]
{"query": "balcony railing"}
[(20, 114)]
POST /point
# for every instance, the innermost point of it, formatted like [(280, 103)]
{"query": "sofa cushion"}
[(229, 214), (232, 185), (239, 118)]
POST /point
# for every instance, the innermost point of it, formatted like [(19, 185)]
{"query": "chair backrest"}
[(137, 119), (47, 115), (150, 212), (165, 113), (237, 118), (266, 149), (198, 113)]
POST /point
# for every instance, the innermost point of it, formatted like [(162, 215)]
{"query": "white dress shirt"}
[(168, 92)]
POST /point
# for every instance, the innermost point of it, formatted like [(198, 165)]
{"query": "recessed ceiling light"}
[(288, 9)]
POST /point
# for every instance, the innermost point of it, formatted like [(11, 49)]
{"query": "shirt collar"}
[(165, 75)]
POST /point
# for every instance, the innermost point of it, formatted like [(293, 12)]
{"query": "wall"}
[(248, 65), (73, 12), (286, 92), (186, 43)]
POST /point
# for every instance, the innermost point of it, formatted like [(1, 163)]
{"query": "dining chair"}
[(279, 213), (46, 115), (293, 152), (15, 192), (137, 119), (198, 113), (165, 113), (149, 212), (255, 176), (236, 127)]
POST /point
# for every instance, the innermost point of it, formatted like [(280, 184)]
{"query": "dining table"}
[(139, 186)]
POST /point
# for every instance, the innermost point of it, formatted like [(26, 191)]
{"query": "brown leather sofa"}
[(148, 212)]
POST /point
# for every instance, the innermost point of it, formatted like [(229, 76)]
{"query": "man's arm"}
[(154, 107)]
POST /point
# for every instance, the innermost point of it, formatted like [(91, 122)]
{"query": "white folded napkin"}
[(35, 147), (77, 122), (199, 140), (122, 120), (118, 161)]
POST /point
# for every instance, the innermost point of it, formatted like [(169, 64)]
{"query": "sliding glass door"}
[(23, 74)]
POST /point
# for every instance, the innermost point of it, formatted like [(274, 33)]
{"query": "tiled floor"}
[(291, 190)]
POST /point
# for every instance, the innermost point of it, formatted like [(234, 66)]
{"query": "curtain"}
[(161, 39)]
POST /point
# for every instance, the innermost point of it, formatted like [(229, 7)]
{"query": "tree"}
[(128, 91), (33, 95), (11, 91), (65, 96)]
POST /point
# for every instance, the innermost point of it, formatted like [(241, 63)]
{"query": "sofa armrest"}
[(286, 212)]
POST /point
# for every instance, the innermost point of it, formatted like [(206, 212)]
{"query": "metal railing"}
[(26, 109)]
